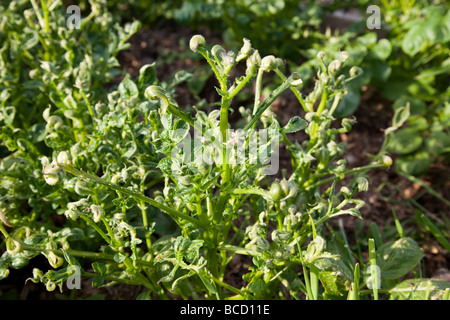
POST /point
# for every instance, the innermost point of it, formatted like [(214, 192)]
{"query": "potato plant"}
[(124, 185)]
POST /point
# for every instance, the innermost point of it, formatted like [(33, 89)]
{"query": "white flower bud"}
[(53, 123), (387, 161), (344, 55)]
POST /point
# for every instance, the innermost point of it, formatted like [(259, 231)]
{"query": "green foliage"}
[(107, 179)]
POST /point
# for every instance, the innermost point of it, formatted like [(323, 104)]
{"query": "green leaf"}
[(99, 268), (382, 49), (335, 284), (147, 75), (209, 284), (404, 141), (128, 89), (414, 164), (349, 103), (119, 258), (438, 143), (295, 124), (398, 258), (415, 40), (419, 289), (416, 106), (257, 285)]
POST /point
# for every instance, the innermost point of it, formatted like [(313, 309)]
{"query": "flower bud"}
[(12, 246), (387, 161), (156, 92), (52, 172), (53, 123), (344, 55), (228, 59), (345, 190), (196, 42)]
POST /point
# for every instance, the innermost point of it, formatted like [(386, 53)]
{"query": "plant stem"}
[(373, 268), (145, 223), (96, 228), (266, 103), (46, 15), (294, 90)]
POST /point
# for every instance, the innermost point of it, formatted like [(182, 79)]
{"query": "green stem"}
[(229, 287), (258, 90), (241, 85), (323, 102), (96, 228), (266, 103), (374, 270), (81, 254), (295, 91), (145, 223), (3, 231), (46, 15), (314, 275), (305, 274)]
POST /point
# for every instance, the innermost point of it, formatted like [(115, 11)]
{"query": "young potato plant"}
[(146, 165)]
